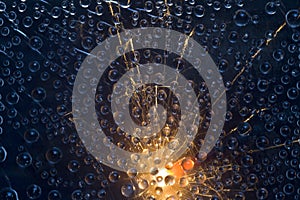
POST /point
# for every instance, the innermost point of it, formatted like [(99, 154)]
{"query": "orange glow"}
[(187, 164)]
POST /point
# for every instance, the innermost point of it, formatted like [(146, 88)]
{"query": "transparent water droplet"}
[(54, 195), (8, 193), (128, 190), (38, 94), (31, 135), (270, 8), (113, 176), (199, 11), (292, 18), (55, 12), (54, 155), (35, 42), (33, 191), (3, 154), (241, 17), (24, 159)]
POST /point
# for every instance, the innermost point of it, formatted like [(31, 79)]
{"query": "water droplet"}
[(113, 176), (199, 11), (38, 94), (12, 98), (54, 195), (293, 93), (84, 3), (270, 8), (128, 190), (8, 193), (241, 18), (55, 12), (54, 155), (3, 154), (35, 42), (31, 135), (265, 68), (33, 191), (2, 6), (24, 159), (143, 184)]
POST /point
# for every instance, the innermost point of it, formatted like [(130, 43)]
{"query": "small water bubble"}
[(244, 129), (54, 155), (270, 8), (148, 6), (22, 7), (24, 159), (199, 11), (143, 184), (292, 18), (293, 93), (54, 195), (38, 94), (90, 178), (128, 190), (8, 193), (3, 154), (31, 135), (262, 85), (113, 176), (5, 31), (73, 166), (241, 17), (262, 193), (2, 6), (12, 98), (55, 12), (35, 42), (99, 10), (84, 3), (265, 68), (33, 191), (233, 37), (278, 54)]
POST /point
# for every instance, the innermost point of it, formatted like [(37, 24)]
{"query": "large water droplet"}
[(292, 18), (241, 17)]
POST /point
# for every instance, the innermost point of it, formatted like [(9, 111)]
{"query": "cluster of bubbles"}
[(43, 44)]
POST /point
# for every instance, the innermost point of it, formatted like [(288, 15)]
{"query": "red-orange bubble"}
[(187, 164)]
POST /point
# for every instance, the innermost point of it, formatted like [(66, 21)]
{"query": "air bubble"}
[(8, 193), (293, 93), (84, 3), (262, 193), (3, 154), (54, 195), (33, 191), (54, 155), (292, 18), (12, 98), (278, 54), (270, 8), (143, 184), (5, 31), (31, 136), (38, 94), (127, 190), (113, 176), (241, 18), (55, 12), (199, 11), (22, 7), (24, 159), (265, 68), (35, 42)]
